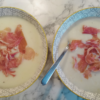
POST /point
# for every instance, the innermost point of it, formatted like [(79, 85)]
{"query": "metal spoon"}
[(53, 67)]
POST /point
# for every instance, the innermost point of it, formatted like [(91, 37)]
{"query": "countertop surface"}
[(50, 14)]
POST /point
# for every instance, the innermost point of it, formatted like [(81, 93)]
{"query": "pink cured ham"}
[(90, 60), (29, 53), (90, 30), (76, 43), (23, 42), (11, 40), (82, 63), (87, 74), (75, 65), (14, 50)]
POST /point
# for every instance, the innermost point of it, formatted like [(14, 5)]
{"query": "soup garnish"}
[(90, 60), (13, 50)]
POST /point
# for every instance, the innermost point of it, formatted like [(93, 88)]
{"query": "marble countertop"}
[(50, 14)]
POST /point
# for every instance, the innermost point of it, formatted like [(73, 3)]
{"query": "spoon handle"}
[(53, 68)]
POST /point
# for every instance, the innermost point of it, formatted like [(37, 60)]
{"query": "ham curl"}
[(90, 60), (90, 30), (13, 50), (76, 43)]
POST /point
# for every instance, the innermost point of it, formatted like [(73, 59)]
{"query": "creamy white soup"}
[(28, 67), (75, 33)]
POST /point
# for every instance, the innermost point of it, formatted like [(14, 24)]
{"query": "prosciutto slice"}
[(90, 30), (23, 42), (76, 43), (13, 50), (90, 60)]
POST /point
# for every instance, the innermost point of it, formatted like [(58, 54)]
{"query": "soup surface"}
[(27, 68), (91, 84)]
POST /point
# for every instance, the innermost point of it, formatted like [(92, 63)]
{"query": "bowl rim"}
[(54, 41), (46, 49)]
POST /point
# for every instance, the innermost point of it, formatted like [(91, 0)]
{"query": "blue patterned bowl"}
[(85, 13)]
